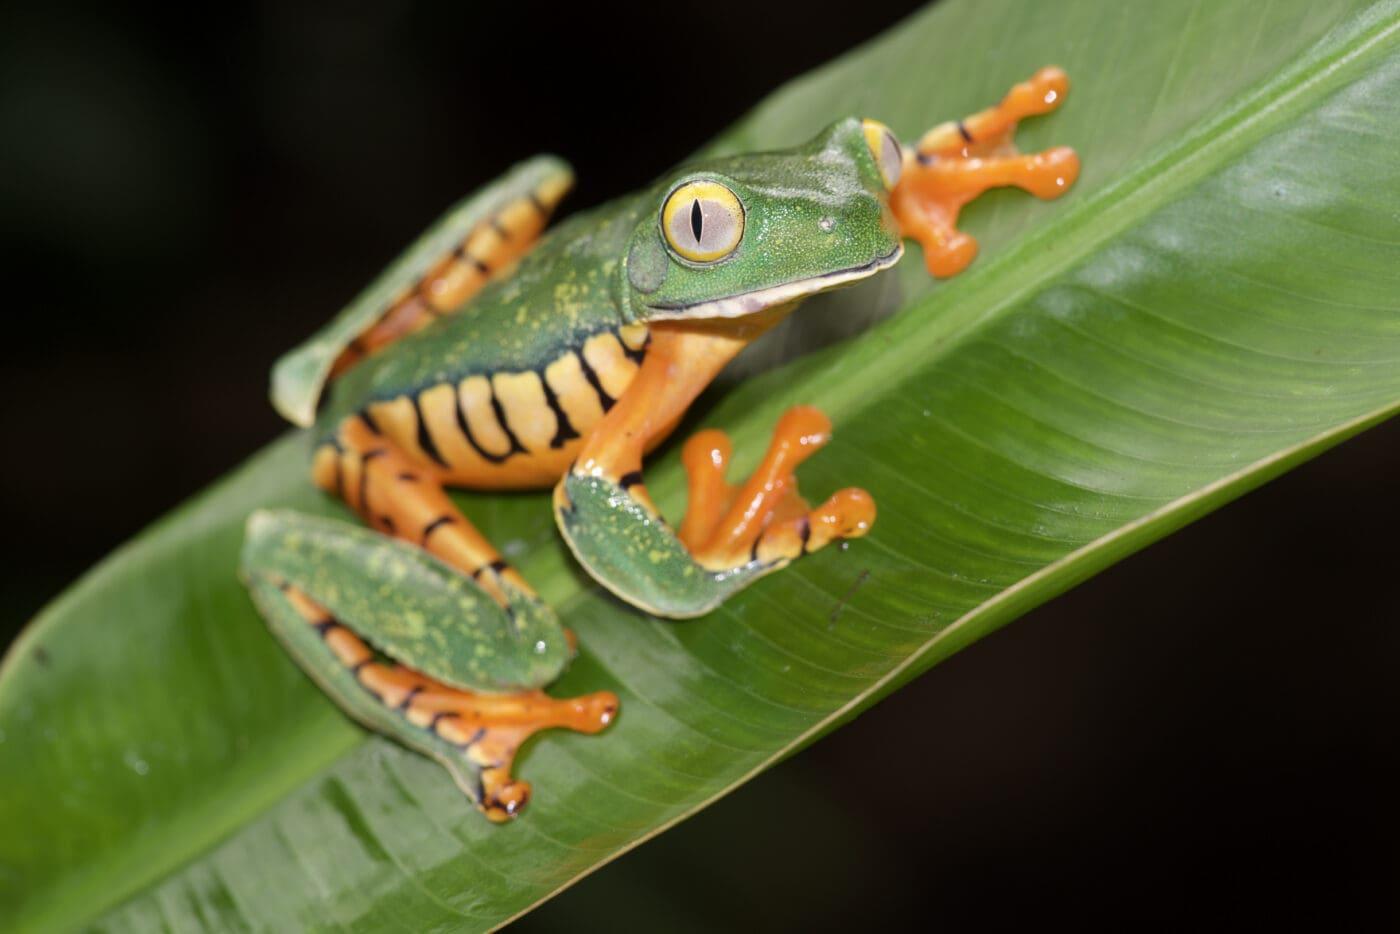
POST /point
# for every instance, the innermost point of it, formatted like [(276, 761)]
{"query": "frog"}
[(496, 355)]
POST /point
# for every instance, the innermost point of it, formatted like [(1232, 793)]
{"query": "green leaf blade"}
[(1213, 305)]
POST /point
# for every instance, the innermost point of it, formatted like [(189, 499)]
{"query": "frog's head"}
[(731, 237)]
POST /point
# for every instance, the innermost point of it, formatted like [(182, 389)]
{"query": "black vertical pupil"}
[(697, 219)]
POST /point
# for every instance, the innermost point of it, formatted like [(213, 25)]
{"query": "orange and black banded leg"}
[(404, 498), (765, 519), (955, 162), (474, 735), (731, 535), (475, 241), (490, 248)]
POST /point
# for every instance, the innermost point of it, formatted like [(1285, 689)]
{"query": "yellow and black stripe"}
[(364, 468), (512, 429)]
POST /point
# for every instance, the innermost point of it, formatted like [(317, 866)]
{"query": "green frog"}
[(493, 355)]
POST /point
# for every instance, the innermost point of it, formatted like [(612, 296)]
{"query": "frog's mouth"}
[(748, 303)]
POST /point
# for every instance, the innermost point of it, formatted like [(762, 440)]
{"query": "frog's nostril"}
[(827, 224)]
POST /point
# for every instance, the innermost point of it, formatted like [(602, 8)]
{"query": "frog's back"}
[(499, 393)]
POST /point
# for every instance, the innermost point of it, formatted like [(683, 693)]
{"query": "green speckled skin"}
[(562, 292), (786, 196), (407, 604), (610, 266), (621, 541)]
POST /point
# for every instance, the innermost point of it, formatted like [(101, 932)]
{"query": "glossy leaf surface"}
[(1215, 302)]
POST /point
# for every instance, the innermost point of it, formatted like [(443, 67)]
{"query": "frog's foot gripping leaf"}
[(474, 241), (412, 649), (957, 161), (731, 535)]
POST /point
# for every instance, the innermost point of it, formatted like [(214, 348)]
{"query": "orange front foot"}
[(765, 519), (957, 161)]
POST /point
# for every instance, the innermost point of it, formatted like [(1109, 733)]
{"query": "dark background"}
[(1207, 732)]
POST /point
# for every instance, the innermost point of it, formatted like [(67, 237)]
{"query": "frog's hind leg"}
[(491, 246), (477, 240), (955, 162), (475, 736), (406, 499)]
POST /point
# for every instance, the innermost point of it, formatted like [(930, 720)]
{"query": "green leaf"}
[(1214, 303)]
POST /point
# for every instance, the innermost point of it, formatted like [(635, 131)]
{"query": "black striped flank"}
[(425, 437), (638, 355), (605, 400), (407, 701), (464, 426), (336, 451), (565, 431), (365, 458), (499, 411), (369, 421)]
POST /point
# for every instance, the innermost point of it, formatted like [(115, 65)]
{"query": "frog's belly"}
[(512, 430)]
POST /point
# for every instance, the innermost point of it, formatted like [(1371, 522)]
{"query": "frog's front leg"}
[(730, 535), (956, 161)]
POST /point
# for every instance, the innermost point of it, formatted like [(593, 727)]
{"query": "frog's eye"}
[(886, 150), (703, 221)]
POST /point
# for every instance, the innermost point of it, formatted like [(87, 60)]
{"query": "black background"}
[(1205, 733)]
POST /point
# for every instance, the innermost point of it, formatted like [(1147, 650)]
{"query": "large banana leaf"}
[(1215, 302)]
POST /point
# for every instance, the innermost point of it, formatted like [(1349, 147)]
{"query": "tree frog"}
[(490, 357)]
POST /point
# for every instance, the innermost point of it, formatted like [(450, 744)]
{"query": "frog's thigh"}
[(405, 499), (299, 567), (957, 161), (730, 535)]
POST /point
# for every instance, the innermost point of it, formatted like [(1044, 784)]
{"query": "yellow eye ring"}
[(889, 155), (702, 221)]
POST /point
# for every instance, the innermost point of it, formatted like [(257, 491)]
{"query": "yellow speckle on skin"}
[(656, 557)]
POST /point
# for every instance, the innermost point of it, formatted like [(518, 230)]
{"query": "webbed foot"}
[(730, 536), (956, 161)]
